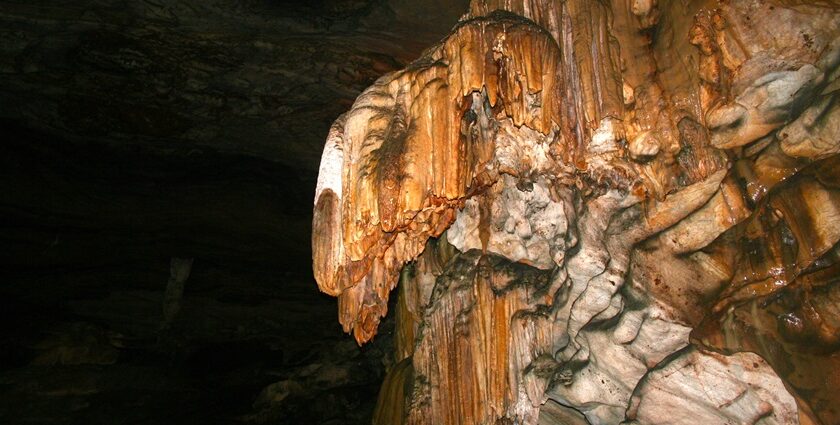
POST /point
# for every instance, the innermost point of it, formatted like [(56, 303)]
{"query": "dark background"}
[(134, 132)]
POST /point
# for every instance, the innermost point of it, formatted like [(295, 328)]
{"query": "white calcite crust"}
[(332, 162), (525, 225)]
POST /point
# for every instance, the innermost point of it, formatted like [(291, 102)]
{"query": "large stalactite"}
[(618, 211)]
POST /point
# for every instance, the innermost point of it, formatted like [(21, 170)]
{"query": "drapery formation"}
[(564, 190)]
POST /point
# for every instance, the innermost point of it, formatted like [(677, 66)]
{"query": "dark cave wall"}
[(262, 78), (138, 132)]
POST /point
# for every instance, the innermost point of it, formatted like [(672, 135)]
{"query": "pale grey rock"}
[(699, 387), (606, 136), (554, 413), (771, 100), (816, 133), (526, 225), (521, 150)]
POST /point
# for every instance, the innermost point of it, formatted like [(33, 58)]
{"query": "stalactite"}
[(564, 190)]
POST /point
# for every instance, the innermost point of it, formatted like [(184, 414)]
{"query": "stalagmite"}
[(602, 212)]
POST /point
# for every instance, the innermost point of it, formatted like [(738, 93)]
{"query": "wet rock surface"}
[(609, 207)]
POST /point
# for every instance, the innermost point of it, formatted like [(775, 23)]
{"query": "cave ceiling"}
[(258, 77)]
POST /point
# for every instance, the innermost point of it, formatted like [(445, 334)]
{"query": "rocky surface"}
[(742, 387), (592, 211), (262, 78)]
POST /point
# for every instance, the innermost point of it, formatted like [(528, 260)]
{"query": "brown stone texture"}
[(596, 210)]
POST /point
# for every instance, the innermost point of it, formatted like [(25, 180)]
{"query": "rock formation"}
[(618, 211)]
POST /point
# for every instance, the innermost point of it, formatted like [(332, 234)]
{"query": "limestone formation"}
[(597, 212)]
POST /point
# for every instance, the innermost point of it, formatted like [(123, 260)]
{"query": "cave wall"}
[(597, 212), (259, 77), (156, 164)]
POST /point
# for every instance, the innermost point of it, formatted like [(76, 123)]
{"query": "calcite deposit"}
[(622, 211)]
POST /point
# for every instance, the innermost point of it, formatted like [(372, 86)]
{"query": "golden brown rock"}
[(608, 175)]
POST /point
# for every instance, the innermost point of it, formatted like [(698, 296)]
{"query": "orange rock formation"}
[(568, 188)]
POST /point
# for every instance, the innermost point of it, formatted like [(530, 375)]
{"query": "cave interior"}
[(536, 212)]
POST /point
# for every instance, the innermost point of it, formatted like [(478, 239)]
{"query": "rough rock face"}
[(594, 212), (256, 77)]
